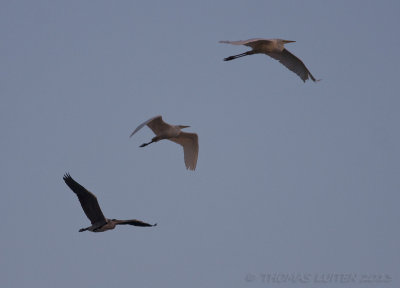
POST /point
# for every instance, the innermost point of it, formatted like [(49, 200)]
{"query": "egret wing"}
[(190, 144), (145, 123), (87, 199), (293, 63), (246, 42), (156, 124)]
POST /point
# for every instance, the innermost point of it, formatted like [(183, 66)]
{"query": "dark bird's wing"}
[(156, 124), (134, 222), (293, 63), (190, 144), (88, 200)]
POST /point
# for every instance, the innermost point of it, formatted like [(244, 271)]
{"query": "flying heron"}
[(92, 210), (189, 141), (275, 49)]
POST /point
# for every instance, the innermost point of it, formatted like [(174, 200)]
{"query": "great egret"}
[(274, 48), (92, 210), (189, 141)]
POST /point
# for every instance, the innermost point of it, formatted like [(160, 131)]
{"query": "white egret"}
[(275, 49), (189, 141), (92, 210)]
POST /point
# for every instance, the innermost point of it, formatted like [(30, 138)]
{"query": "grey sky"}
[(291, 177)]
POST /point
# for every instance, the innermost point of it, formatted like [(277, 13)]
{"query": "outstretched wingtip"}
[(313, 79)]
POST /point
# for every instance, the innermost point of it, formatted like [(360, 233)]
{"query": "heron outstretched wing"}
[(248, 42), (134, 222), (190, 144), (156, 124), (87, 199), (293, 63), (254, 43)]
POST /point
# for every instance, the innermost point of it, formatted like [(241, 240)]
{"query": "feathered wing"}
[(254, 43), (293, 63), (87, 199), (190, 144), (245, 42), (156, 124), (135, 222)]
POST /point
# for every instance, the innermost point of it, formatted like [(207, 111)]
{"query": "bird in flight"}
[(275, 49), (92, 210), (174, 133)]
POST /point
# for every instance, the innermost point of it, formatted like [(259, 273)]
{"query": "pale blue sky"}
[(291, 177)]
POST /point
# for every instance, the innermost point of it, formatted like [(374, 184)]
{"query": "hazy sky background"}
[(291, 177)]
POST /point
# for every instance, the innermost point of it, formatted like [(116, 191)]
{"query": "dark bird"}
[(92, 210), (275, 49)]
